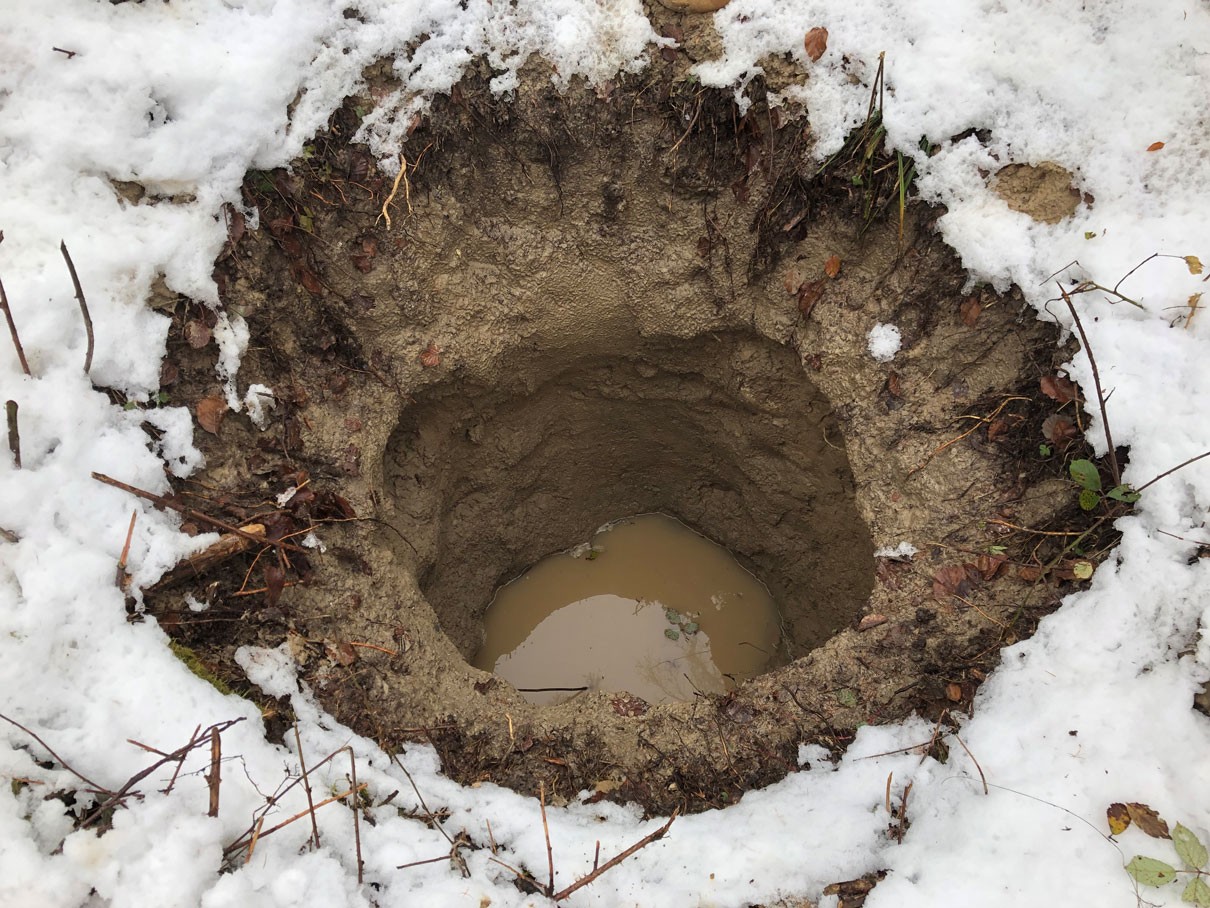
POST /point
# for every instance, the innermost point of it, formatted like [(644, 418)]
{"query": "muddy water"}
[(648, 606)]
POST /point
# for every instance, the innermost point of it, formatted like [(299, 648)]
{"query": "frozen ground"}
[(185, 96)]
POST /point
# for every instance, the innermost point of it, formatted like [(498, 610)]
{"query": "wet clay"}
[(648, 607)]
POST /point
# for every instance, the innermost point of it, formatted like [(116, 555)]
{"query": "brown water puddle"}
[(648, 607)]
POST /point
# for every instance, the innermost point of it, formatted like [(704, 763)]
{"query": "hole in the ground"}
[(647, 606), (725, 432)]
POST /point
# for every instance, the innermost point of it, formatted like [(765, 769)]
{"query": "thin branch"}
[(613, 862), (550, 855), (1179, 466), (12, 329), (1096, 378), (356, 817), (121, 579), (215, 778), (75, 282), (58, 759), (307, 785), (973, 760), (14, 432)]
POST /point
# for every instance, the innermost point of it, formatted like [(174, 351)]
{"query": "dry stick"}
[(307, 785), (161, 501), (257, 835), (120, 578), (14, 433), (419, 797), (215, 777), (75, 282), (12, 329), (356, 818), (550, 855), (1096, 380), (613, 862), (1179, 466), (58, 759)]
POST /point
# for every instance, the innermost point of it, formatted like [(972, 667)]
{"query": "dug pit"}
[(591, 304)]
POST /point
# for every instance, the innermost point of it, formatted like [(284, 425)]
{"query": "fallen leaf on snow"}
[(816, 43), (1155, 146), (1148, 820)]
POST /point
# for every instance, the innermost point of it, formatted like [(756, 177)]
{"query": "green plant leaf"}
[(1189, 848), (1090, 235), (996, 549), (1197, 893), (1044, 450), (1089, 500), (1085, 472), (672, 634), (846, 697), (1150, 872), (690, 629), (1123, 493)]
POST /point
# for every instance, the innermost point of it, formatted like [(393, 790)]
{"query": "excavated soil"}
[(594, 304)]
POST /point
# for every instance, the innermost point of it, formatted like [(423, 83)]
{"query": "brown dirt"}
[(591, 305)]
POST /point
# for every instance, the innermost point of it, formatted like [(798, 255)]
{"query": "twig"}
[(215, 778), (257, 836), (161, 501), (307, 786), (1179, 466), (614, 861), (260, 822), (228, 546), (419, 797), (887, 797), (75, 282), (120, 579), (1096, 379), (442, 857), (12, 329), (9, 536), (14, 433), (58, 759), (550, 855), (356, 818), (973, 760)]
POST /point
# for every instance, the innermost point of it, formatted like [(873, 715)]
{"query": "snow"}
[(184, 97), (883, 342)]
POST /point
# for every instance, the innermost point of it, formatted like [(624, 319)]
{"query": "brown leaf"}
[(810, 293), (344, 653), (997, 428), (431, 356), (872, 621), (1155, 146), (832, 266), (1148, 820), (969, 311), (309, 279), (1118, 817), (894, 384), (210, 412), (1194, 264), (816, 43), (953, 692), (275, 582), (1060, 388), (989, 566), (1059, 430), (197, 333), (951, 581)]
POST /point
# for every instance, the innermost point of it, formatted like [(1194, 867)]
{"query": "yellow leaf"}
[(1194, 263), (1193, 308), (1119, 818)]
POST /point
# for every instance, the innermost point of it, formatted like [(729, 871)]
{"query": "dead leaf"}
[(951, 581), (1155, 146), (1194, 263), (275, 582), (1060, 388), (894, 384), (816, 43), (1148, 820), (1059, 430), (1192, 304), (809, 294), (997, 428), (832, 266), (197, 333), (990, 566), (953, 692), (1118, 817), (872, 621), (430, 356), (309, 279), (210, 412), (344, 653), (629, 705), (969, 311)]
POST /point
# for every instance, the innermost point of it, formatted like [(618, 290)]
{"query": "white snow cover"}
[(884, 342), (185, 96)]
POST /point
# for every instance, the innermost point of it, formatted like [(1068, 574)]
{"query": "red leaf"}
[(275, 582), (816, 43), (430, 356), (810, 293)]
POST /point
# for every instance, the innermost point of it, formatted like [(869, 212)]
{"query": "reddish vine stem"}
[(75, 282), (12, 330)]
